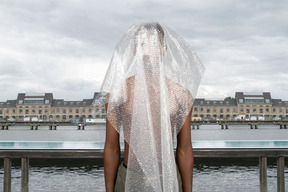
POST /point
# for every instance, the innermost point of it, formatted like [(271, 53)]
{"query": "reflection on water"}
[(100, 145), (88, 177), (64, 176)]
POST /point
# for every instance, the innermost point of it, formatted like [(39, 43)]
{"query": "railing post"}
[(7, 174), (263, 174), (280, 175), (25, 174)]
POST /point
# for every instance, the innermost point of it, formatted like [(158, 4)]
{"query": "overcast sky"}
[(65, 47)]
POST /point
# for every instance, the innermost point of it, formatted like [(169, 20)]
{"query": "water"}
[(79, 175)]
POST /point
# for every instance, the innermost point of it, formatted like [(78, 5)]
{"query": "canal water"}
[(223, 175)]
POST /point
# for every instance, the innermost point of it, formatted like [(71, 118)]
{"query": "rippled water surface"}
[(86, 178), (217, 175)]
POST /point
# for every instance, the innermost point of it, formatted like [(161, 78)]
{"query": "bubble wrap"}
[(151, 83)]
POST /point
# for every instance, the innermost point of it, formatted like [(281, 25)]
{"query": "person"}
[(151, 84)]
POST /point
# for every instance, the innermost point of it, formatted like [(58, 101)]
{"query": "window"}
[(201, 102), (228, 110), (215, 110), (27, 111), (0, 111), (53, 110), (58, 110), (201, 109), (64, 110), (40, 111), (280, 110), (33, 101), (20, 102), (195, 109), (247, 110), (208, 102), (46, 102), (214, 102), (267, 101), (287, 110), (261, 110), (70, 110), (240, 100), (221, 110), (241, 110), (103, 110), (46, 110), (208, 110), (267, 109), (254, 110), (274, 110), (77, 110)]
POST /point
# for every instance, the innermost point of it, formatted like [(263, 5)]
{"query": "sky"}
[(65, 47)]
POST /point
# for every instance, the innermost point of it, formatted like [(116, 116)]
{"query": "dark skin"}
[(184, 155)]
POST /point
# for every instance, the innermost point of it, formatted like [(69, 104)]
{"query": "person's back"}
[(150, 99)]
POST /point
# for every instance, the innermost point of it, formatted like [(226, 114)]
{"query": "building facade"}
[(44, 107), (245, 105)]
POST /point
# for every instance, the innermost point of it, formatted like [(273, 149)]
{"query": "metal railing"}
[(25, 155)]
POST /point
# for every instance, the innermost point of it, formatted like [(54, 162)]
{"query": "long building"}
[(245, 105), (44, 107)]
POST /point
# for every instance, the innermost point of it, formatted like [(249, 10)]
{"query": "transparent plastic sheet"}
[(151, 84)]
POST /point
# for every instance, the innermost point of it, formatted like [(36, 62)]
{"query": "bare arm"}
[(111, 156), (184, 155)]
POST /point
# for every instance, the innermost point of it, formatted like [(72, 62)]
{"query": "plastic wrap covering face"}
[(151, 83)]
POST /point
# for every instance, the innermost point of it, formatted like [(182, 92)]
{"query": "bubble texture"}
[(151, 83)]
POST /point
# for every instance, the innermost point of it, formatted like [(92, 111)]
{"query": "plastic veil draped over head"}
[(151, 83)]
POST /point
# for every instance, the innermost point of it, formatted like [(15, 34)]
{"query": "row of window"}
[(58, 117), (208, 110), (254, 110), (214, 102), (57, 110), (230, 117)]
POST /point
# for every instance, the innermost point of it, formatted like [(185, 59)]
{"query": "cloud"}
[(65, 46)]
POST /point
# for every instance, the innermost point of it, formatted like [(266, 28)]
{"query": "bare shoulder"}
[(130, 83), (176, 88), (130, 80)]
